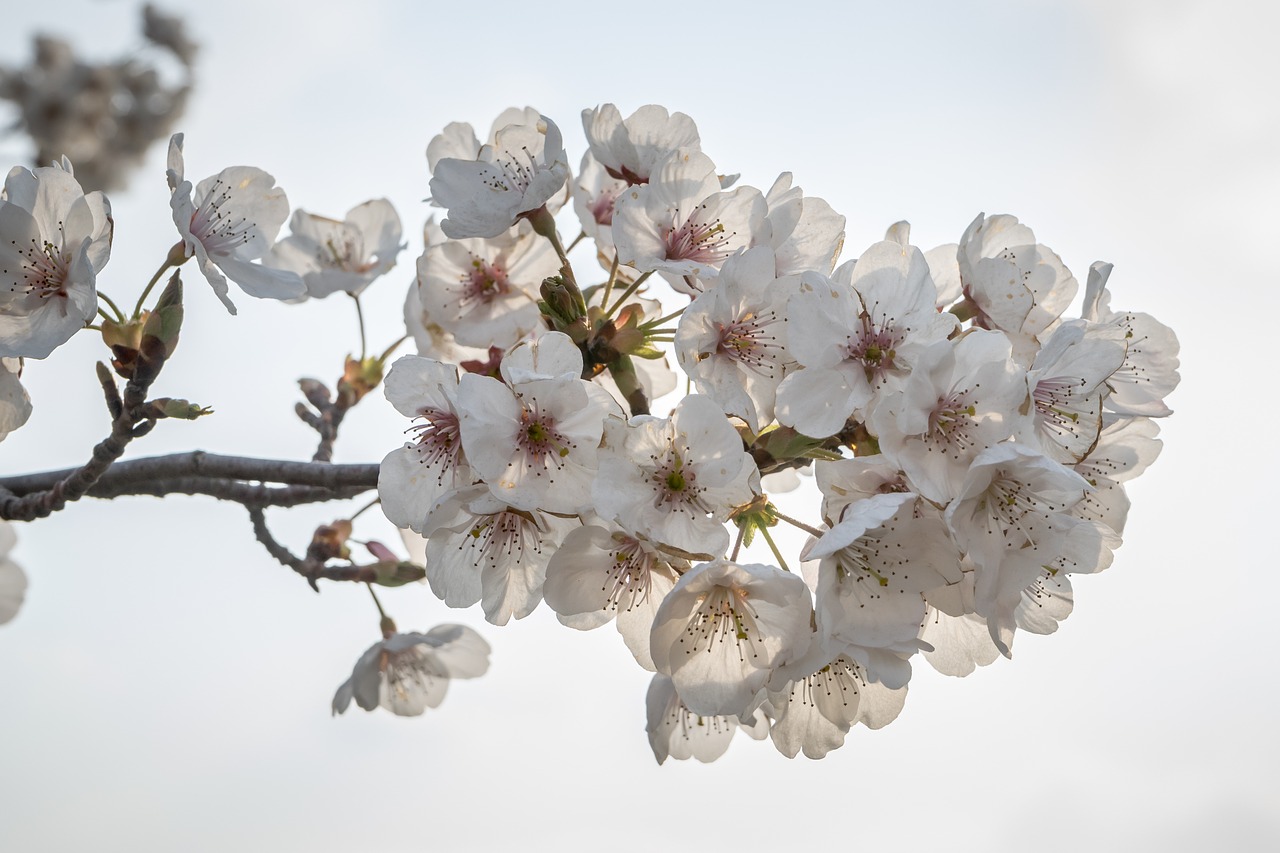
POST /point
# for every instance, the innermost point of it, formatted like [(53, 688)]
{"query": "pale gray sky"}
[(167, 684)]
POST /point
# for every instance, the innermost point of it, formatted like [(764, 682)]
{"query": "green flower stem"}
[(764, 531)]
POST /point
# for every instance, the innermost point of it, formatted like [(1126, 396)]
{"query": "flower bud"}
[(330, 541), (167, 407), (396, 573), (359, 377), (164, 322)]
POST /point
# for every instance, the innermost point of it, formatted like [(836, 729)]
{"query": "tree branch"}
[(311, 569), (199, 473)]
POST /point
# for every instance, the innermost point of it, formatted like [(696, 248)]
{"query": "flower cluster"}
[(969, 434), (970, 439)]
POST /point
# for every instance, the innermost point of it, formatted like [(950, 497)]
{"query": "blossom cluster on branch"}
[(969, 439)]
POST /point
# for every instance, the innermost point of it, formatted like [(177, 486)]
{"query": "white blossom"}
[(481, 549), (1016, 284), (517, 174), (681, 223), (54, 240), (13, 582), (534, 437), (676, 480), (485, 291), (676, 732), (408, 673), (723, 627), (228, 221), (411, 478), (1011, 518), (731, 339), (630, 149), (961, 398), (876, 564), (340, 256), (853, 333), (598, 574), (1149, 372), (804, 232), (15, 405)]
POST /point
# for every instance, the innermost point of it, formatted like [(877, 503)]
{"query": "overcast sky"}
[(167, 685)]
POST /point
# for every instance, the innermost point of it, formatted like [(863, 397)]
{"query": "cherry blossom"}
[(534, 438), (516, 175), (15, 405), (1067, 384), (599, 574), (722, 629), (54, 240), (409, 673), (413, 477), (1015, 284), (1149, 372), (484, 292), (682, 224), (630, 149), (804, 233), (960, 399), (1011, 518), (731, 339), (868, 325), (676, 732), (228, 221), (13, 582), (340, 256), (481, 549), (825, 697), (876, 563), (675, 480)]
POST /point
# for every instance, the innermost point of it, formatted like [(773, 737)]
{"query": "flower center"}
[(602, 206), (44, 270), (747, 341), (952, 424), (503, 536), (483, 284), (693, 240), (675, 486), (439, 445), (628, 574), (346, 257), (875, 347), (723, 616), (218, 232)]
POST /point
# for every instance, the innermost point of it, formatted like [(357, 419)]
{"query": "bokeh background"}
[(167, 685)]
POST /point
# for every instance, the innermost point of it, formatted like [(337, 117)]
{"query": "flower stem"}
[(107, 299), (370, 505), (376, 602), (764, 531), (137, 309), (737, 543), (608, 285), (386, 353), (635, 285), (812, 531), (660, 320), (360, 320), (576, 240)]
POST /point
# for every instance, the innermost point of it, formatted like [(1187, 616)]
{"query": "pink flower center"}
[(439, 445), (218, 232), (747, 340), (44, 270), (695, 240), (485, 283)]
